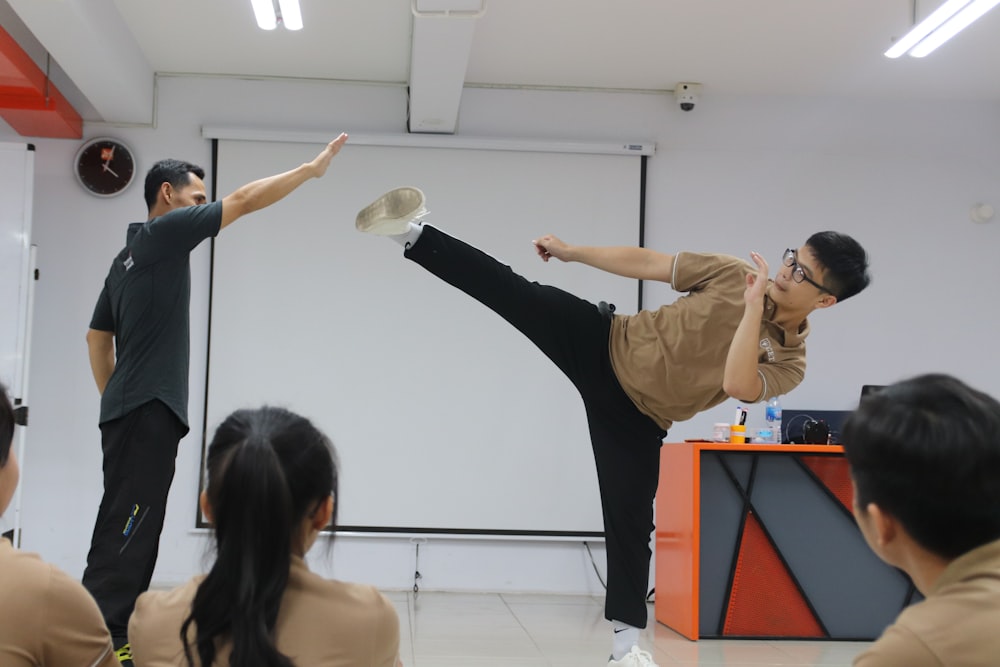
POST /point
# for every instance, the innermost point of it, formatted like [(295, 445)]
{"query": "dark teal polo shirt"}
[(146, 304)]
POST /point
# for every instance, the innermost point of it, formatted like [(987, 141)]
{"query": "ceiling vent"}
[(442, 41)]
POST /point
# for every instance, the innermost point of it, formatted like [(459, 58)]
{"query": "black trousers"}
[(139, 453), (574, 334)]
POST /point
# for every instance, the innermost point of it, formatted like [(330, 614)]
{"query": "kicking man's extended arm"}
[(266, 191), (631, 262), (101, 347), (741, 379)]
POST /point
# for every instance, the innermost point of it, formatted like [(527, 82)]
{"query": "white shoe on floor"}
[(634, 658), (392, 213)]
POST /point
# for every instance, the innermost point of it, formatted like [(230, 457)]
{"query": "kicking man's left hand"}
[(756, 282)]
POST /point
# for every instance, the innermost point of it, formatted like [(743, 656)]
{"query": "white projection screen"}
[(444, 417)]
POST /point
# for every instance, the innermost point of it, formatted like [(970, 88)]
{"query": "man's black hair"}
[(845, 262), (927, 452), (170, 171)]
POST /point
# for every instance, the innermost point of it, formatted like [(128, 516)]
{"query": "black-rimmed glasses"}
[(790, 258)]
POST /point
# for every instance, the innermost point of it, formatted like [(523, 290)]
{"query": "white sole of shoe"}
[(392, 213)]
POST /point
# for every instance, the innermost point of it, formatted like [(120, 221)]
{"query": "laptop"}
[(869, 389)]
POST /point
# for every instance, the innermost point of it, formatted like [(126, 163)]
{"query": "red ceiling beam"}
[(29, 102)]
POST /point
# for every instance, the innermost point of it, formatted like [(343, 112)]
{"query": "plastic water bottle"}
[(772, 414)]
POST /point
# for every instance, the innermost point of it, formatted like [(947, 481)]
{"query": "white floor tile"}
[(483, 662), (529, 630)]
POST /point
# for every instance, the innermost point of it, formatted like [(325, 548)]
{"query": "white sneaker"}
[(634, 658), (392, 213)]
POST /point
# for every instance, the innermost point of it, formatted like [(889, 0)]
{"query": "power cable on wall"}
[(650, 596), (417, 541), (594, 564)]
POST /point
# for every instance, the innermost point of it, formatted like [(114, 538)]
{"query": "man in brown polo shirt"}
[(925, 459), (735, 333)]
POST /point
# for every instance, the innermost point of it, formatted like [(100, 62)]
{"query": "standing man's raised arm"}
[(628, 261), (266, 191)]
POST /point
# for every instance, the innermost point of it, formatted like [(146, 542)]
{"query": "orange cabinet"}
[(759, 541)]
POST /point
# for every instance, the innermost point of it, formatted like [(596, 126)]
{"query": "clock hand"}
[(109, 170)]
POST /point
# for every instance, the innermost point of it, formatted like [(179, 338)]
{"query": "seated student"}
[(272, 482), (46, 619), (925, 458)]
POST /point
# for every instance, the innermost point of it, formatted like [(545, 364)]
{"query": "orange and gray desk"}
[(759, 541)]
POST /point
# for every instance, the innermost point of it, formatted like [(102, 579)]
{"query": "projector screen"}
[(445, 418)]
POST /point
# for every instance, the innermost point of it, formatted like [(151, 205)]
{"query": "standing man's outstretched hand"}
[(322, 161), (266, 191)]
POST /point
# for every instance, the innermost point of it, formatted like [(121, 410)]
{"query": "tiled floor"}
[(509, 630)]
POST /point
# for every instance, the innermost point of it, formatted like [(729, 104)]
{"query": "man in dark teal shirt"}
[(139, 345)]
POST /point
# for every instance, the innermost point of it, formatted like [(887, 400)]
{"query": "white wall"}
[(733, 175)]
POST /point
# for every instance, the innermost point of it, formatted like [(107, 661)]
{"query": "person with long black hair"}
[(47, 619), (271, 488)]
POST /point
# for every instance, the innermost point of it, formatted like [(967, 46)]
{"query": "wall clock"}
[(104, 166)]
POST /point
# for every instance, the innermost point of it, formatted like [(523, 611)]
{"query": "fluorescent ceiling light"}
[(961, 20), (291, 14), (267, 15), (944, 23), (263, 10)]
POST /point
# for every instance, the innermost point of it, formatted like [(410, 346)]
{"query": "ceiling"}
[(106, 52)]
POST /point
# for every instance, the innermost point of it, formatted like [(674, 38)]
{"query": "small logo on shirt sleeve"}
[(129, 262), (765, 344)]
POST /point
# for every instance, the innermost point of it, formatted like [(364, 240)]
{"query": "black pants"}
[(139, 453), (574, 334)]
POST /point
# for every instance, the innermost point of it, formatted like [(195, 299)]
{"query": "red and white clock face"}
[(105, 167)]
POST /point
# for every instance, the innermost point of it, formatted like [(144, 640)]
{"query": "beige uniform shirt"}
[(322, 623), (958, 625), (46, 618), (671, 361)]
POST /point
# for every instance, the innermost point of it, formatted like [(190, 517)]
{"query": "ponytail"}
[(265, 468)]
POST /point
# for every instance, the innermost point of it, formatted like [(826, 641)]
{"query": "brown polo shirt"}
[(322, 623), (671, 361), (46, 618), (956, 625)]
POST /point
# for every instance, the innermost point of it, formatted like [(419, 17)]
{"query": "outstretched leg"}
[(570, 331), (574, 334)]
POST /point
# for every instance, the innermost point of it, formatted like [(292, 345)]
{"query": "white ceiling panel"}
[(732, 47)]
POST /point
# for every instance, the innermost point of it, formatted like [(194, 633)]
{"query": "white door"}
[(17, 162)]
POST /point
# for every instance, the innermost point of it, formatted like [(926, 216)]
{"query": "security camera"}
[(686, 95)]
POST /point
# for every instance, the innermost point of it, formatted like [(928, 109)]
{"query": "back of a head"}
[(6, 425), (170, 171), (926, 450), (844, 260), (267, 470)]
